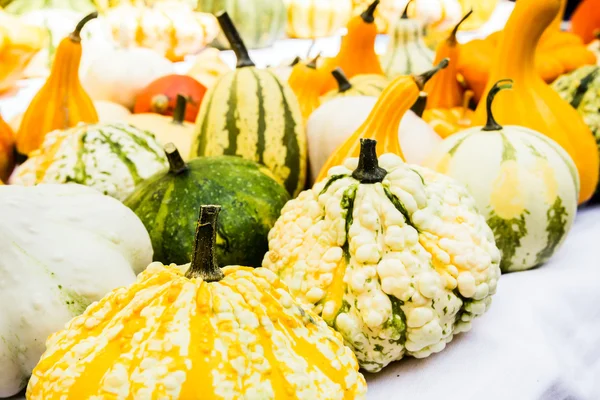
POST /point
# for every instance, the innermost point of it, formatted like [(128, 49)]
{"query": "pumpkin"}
[(120, 75), (585, 21), (378, 250), (448, 121), (525, 184), (253, 114), (174, 129), (112, 158), (532, 103), (357, 52), (160, 96), (62, 102), (63, 247), (171, 28), (311, 19), (444, 90), (359, 85), (383, 121), (407, 53), (334, 122), (7, 145), (303, 81), (208, 67), (167, 204), (237, 330), (260, 22)]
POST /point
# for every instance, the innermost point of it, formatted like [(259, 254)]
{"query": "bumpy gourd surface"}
[(170, 337), (396, 267), (111, 158)]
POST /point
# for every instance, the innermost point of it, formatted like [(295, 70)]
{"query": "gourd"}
[(444, 90), (386, 14), (167, 205), (448, 121), (62, 102), (532, 103), (311, 19), (208, 67), (407, 53), (359, 85), (260, 22), (482, 11), (112, 158), (585, 21), (7, 144), (63, 247), (24, 6), (305, 82), (166, 129), (335, 121), (357, 52), (160, 96), (170, 28), (384, 119), (378, 250), (253, 114), (236, 329), (525, 184), (119, 75)]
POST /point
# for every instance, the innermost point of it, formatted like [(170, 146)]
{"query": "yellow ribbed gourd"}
[(198, 332), (310, 19)]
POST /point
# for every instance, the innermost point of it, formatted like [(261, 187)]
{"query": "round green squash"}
[(168, 205), (253, 114), (261, 22)]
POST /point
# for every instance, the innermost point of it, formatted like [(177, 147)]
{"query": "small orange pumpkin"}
[(585, 21), (305, 81)]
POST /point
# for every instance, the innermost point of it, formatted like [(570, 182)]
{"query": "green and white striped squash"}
[(111, 158), (253, 114), (524, 183), (581, 88), (261, 22), (359, 85), (407, 52)]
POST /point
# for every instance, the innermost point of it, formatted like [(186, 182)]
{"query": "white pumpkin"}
[(333, 122), (63, 247), (119, 75)]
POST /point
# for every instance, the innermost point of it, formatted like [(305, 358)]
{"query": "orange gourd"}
[(444, 90), (357, 52), (448, 121), (532, 103), (383, 121), (305, 80), (585, 21), (62, 102), (7, 144)]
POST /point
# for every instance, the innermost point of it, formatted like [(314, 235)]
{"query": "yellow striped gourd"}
[(309, 19)]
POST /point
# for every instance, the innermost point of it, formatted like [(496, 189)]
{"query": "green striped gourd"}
[(252, 113), (525, 183), (358, 85), (581, 88), (112, 158), (261, 22), (407, 52), (168, 206)]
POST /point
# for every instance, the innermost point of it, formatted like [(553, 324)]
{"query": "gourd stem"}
[(422, 79), (204, 263), (405, 12), (313, 63), (584, 85), (368, 170), (179, 111), (295, 61), (343, 83), (491, 124), (369, 14), (420, 105), (176, 163), (235, 40), (452, 38), (75, 36)]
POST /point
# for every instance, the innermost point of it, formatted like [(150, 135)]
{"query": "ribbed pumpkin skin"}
[(407, 53), (260, 22), (362, 85), (525, 184), (309, 19), (253, 114), (112, 158), (168, 206)]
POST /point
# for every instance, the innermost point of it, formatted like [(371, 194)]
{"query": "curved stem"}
[(405, 12), (204, 264), (369, 14), (313, 63), (420, 105), (368, 170), (343, 83), (491, 124), (176, 163), (422, 79), (452, 38), (235, 40), (75, 36), (179, 111)]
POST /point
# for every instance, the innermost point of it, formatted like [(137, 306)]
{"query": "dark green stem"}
[(420, 105), (452, 38), (422, 79), (369, 14), (405, 12), (368, 170), (75, 36), (179, 111), (343, 83), (176, 163), (204, 264), (235, 40), (295, 61), (491, 124), (313, 63)]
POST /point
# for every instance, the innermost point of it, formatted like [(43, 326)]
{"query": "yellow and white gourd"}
[(358, 85), (311, 19), (63, 247)]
